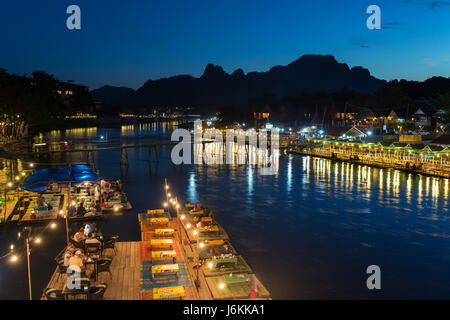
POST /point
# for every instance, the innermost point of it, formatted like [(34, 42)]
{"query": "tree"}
[(28, 100), (441, 102)]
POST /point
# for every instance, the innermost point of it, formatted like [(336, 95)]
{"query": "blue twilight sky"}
[(128, 42)]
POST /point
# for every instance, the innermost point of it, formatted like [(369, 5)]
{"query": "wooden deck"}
[(130, 267), (126, 271), (147, 235), (209, 280)]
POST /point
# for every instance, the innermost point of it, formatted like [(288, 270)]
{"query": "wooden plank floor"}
[(125, 269), (190, 291), (203, 292)]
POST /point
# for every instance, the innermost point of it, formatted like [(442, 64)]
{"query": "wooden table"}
[(164, 254), (159, 221), (234, 279), (162, 243), (168, 292), (165, 269), (164, 232), (155, 211)]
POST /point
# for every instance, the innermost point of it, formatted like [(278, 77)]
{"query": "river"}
[(309, 232)]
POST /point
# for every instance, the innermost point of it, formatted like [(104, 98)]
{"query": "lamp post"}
[(67, 212), (37, 240), (166, 187), (177, 206), (8, 185), (28, 266)]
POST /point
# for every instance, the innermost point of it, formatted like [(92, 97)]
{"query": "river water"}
[(309, 232)]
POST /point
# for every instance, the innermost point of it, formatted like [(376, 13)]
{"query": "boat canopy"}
[(40, 180)]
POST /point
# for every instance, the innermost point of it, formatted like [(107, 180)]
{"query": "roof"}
[(401, 113), (433, 148), (336, 131), (348, 131), (41, 178), (424, 110), (440, 112), (364, 114), (442, 140)]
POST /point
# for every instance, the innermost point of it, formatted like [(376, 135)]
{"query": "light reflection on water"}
[(314, 236), (309, 231)]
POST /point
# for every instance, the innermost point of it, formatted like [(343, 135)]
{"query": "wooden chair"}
[(104, 265), (93, 248), (110, 244), (97, 292), (62, 269), (53, 294)]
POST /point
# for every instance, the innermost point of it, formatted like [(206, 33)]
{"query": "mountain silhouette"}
[(216, 88), (110, 94)]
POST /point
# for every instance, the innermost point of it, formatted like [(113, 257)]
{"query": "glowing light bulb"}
[(210, 265), (37, 240), (195, 232), (188, 225), (31, 165), (12, 247), (13, 258), (221, 286), (53, 225), (182, 217)]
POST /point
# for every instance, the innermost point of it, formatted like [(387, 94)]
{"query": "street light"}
[(5, 190), (36, 240), (167, 195)]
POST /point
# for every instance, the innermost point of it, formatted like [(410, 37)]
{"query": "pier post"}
[(123, 156), (69, 186), (28, 265)]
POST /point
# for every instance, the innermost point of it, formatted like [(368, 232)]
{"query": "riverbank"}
[(430, 163)]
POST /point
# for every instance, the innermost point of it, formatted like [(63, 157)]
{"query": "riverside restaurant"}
[(167, 263), (420, 158), (74, 191)]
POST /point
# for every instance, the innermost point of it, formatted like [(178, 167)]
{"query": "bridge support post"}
[(123, 156)]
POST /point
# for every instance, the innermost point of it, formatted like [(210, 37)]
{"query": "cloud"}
[(437, 4), (435, 61), (390, 25), (361, 43), (429, 62)]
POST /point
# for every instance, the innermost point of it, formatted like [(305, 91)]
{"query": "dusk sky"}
[(125, 43)]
